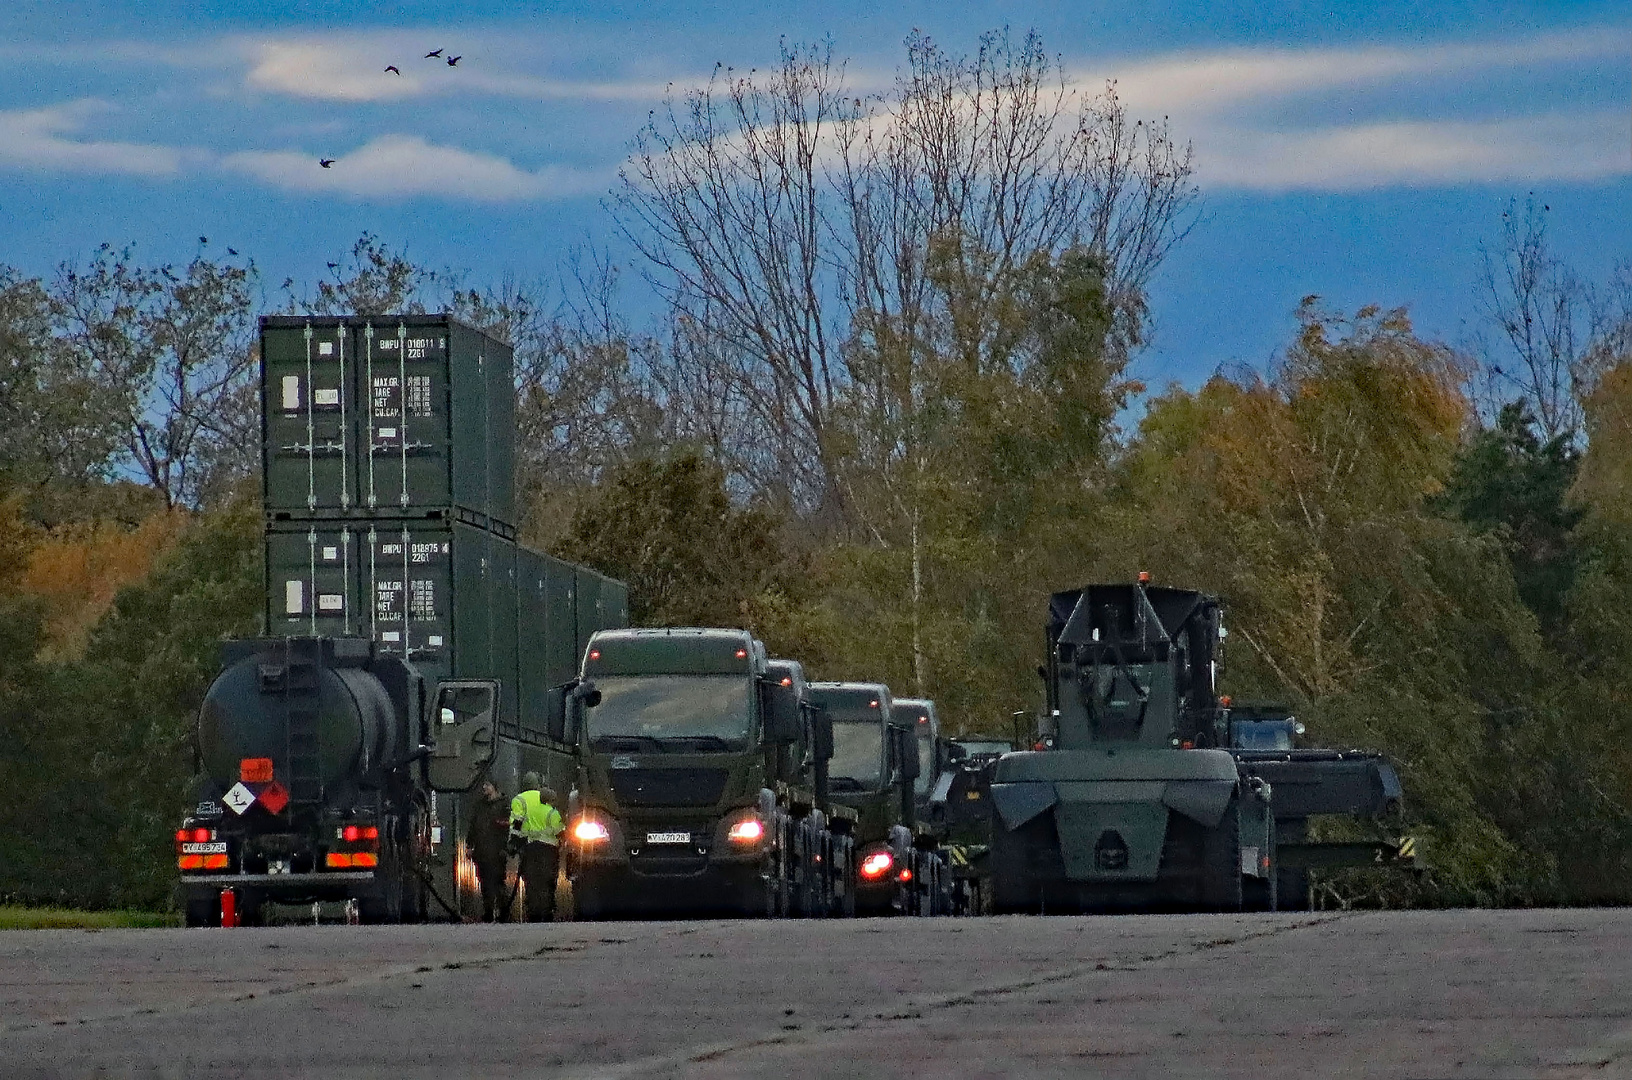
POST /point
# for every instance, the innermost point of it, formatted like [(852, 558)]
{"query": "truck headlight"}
[(590, 831), (748, 831)]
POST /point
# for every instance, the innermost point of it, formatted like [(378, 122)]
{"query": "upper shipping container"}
[(387, 416)]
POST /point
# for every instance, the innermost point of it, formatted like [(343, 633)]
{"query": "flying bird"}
[(393, 67), (428, 55), (453, 61), (325, 162), (203, 239), (232, 251), (334, 266)]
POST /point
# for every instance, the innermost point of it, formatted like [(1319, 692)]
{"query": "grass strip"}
[(13, 917)]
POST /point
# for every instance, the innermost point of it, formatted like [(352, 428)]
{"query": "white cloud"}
[(1567, 147), (352, 68), (42, 140), (1206, 82), (406, 166), (1232, 104)]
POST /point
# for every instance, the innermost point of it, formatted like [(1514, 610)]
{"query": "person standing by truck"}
[(536, 825), (489, 825)]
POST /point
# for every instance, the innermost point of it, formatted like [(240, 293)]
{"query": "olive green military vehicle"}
[(412, 647), (959, 810), (1358, 785), (698, 782), (1129, 810), (873, 771)]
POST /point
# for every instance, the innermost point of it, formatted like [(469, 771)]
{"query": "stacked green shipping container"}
[(389, 483)]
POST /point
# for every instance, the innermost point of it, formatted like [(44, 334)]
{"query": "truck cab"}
[(873, 771), (686, 793)]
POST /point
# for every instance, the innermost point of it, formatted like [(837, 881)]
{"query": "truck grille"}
[(668, 787)]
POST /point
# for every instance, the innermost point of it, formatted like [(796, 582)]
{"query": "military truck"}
[(874, 769), (1129, 809), (412, 648), (1359, 785), (959, 810), (698, 783)]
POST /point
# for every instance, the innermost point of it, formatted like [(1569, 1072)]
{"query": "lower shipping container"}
[(457, 601)]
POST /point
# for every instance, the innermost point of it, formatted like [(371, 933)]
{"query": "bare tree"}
[(827, 243), (1543, 313), (726, 198), (371, 279), (172, 355), (59, 419)]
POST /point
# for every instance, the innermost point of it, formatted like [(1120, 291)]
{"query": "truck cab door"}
[(464, 724)]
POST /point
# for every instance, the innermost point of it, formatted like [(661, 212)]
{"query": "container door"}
[(309, 417), (411, 587), (406, 419), (313, 581)]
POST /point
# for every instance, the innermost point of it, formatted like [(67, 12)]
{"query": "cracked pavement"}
[(1496, 995)]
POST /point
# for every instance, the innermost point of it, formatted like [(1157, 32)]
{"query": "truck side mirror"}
[(783, 719), (467, 718), (821, 734), (906, 753)]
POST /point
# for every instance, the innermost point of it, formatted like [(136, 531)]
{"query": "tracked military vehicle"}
[(1130, 809)]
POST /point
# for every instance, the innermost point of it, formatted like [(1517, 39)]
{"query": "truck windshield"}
[(858, 756), (678, 712), (1262, 734)]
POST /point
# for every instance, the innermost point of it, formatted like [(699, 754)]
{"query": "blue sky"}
[(1359, 151)]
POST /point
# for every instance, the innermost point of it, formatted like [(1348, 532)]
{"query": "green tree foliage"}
[(99, 757), (1509, 481), (668, 528)]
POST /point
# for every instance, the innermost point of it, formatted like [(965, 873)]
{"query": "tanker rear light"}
[(194, 836), (787, 680), (338, 860), (351, 834), (594, 654), (748, 831), (365, 859), (877, 865), (742, 654), (905, 875)]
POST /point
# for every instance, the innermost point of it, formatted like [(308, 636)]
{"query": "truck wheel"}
[(385, 904), (1221, 863)]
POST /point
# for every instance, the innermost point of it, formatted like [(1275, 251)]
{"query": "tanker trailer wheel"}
[(385, 904), (1221, 863)]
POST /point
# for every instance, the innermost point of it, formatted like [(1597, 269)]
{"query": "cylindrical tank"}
[(246, 715)]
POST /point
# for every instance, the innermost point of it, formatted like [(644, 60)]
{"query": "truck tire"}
[(1220, 885), (385, 904)]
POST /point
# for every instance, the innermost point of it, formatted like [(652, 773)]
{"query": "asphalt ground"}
[(1415, 994)]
